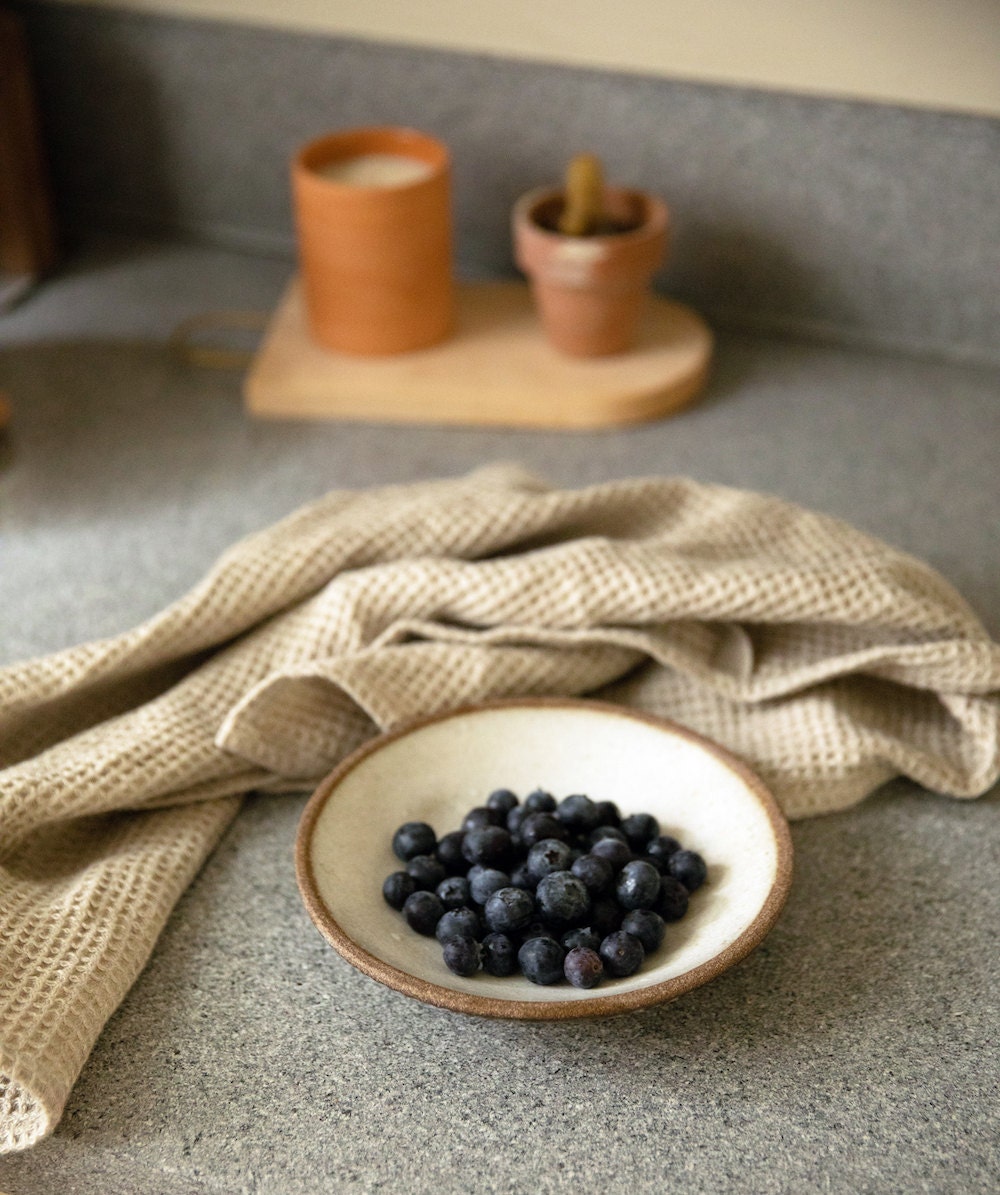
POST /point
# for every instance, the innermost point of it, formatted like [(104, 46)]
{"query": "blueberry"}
[(608, 813), (605, 831), (502, 800), (485, 882), (453, 892), (519, 875), (653, 862), (423, 910), (462, 956), (540, 801), (688, 867), (413, 838), (638, 885), (583, 936), (489, 845), (481, 816), (659, 849), (672, 901), (449, 851), (397, 888), (546, 856), (498, 955), (621, 954), (541, 960), (538, 826), (577, 812), (639, 828), (509, 910), (562, 898), (596, 874), (515, 819), (458, 923), (616, 852), (647, 926), (427, 870), (583, 967)]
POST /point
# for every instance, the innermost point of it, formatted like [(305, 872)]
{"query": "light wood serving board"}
[(496, 369)]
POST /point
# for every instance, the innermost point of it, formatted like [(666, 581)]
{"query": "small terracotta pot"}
[(590, 291), (376, 253)]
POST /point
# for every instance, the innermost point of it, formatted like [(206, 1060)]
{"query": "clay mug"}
[(373, 223)]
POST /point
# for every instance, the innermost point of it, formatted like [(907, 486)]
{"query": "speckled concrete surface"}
[(855, 1051)]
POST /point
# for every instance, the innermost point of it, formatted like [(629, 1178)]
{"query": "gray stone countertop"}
[(855, 1051)]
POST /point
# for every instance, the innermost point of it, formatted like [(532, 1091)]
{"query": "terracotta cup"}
[(373, 220), (590, 291)]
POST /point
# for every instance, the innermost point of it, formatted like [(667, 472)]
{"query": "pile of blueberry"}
[(553, 890)]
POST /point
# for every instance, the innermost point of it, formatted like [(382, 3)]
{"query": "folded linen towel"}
[(828, 660)]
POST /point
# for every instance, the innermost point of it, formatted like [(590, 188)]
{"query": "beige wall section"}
[(930, 53)]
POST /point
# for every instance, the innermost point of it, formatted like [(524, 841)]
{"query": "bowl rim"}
[(589, 1004)]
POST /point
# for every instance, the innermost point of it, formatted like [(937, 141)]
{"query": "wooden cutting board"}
[(496, 369)]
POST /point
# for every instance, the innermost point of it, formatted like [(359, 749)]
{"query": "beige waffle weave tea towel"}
[(828, 660)]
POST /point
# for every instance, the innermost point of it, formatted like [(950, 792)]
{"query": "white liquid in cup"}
[(375, 170)]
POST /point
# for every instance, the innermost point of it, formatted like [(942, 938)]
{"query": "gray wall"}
[(858, 222)]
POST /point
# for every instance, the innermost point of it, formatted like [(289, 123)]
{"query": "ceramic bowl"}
[(436, 769)]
